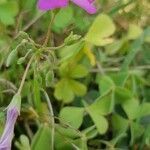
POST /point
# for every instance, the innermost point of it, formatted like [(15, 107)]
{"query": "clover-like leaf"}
[(119, 124), (105, 84), (42, 138), (67, 52), (100, 31), (78, 71), (72, 116), (63, 91), (78, 88), (131, 108), (102, 106), (63, 18), (66, 89), (134, 32)]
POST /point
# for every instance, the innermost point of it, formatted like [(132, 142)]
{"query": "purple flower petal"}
[(7, 136), (51, 4), (86, 5)]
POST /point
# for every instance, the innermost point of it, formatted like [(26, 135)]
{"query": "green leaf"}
[(102, 105), (63, 91), (100, 122), (122, 95), (144, 109), (89, 53), (67, 131), (79, 71), (63, 18), (72, 70), (146, 136), (105, 84), (90, 132), (62, 142), (42, 138), (101, 29), (136, 131), (11, 57), (134, 32), (78, 88), (28, 4), (8, 11), (23, 144), (131, 108), (72, 116), (70, 51), (80, 144), (67, 88), (120, 78), (118, 138), (21, 60), (64, 69), (134, 49), (114, 47), (119, 124)]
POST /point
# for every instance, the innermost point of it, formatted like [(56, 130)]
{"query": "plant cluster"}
[(72, 80)]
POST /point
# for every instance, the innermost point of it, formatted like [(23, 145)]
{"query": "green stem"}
[(24, 75), (52, 118), (33, 21), (49, 29)]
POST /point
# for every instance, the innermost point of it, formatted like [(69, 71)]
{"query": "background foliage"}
[(94, 72)]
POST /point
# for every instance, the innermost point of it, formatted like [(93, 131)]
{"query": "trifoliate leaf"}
[(63, 91), (79, 71), (78, 88), (100, 31), (72, 116), (131, 108)]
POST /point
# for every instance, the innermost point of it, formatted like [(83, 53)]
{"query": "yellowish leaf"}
[(100, 31), (90, 55)]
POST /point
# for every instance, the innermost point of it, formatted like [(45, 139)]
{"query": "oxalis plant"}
[(84, 84)]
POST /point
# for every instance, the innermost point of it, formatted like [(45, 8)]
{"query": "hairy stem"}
[(49, 29), (52, 118), (24, 75)]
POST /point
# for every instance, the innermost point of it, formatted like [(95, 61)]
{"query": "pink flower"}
[(87, 5)]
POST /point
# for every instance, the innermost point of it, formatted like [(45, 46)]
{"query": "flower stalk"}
[(13, 111)]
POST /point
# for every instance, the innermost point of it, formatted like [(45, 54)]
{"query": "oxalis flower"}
[(87, 5), (13, 111)]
